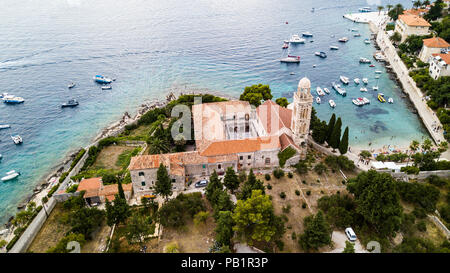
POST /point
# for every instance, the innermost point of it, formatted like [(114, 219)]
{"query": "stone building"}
[(431, 46), (232, 134), (408, 24)]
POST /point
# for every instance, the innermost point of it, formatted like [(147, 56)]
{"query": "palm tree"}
[(389, 6), (417, 4), (426, 3), (413, 146), (158, 146), (380, 8)]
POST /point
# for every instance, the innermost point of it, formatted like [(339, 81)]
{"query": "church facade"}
[(232, 134)]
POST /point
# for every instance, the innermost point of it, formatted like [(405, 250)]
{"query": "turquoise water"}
[(155, 46)]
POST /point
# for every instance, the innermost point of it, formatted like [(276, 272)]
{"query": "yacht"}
[(5, 126), (326, 90), (17, 139), (71, 85), (10, 175), (318, 100), (290, 59), (70, 103), (367, 41), (356, 80), (344, 79), (364, 60), (106, 87), (343, 40), (320, 91), (375, 88), (356, 35), (13, 100), (363, 89), (334, 47), (381, 97), (332, 103), (365, 9), (101, 79), (295, 39), (307, 34), (391, 100), (365, 80), (338, 89), (321, 54)]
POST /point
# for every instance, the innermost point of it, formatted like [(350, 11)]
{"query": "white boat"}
[(344, 79), (378, 72), (318, 100), (102, 79), (320, 91), (5, 126), (357, 102), (363, 89), (356, 35), (365, 9), (332, 103), (17, 139), (13, 100), (307, 34), (365, 80), (366, 100), (356, 80), (367, 41), (10, 175), (391, 100), (321, 54), (106, 87), (375, 88), (295, 39), (326, 90), (338, 89), (71, 85), (334, 47), (343, 40), (290, 59), (364, 60)]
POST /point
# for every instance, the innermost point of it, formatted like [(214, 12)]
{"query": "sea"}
[(152, 47)]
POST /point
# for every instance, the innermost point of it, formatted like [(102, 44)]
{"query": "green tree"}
[(120, 190), (435, 11), (343, 144), (283, 102), (255, 219), (377, 200), (137, 228), (349, 247), (330, 127), (231, 180), (389, 7), (62, 245), (163, 185), (250, 185), (396, 11), (117, 212), (86, 220), (336, 134), (224, 228), (396, 37), (365, 154), (213, 186), (317, 232), (256, 93), (414, 145), (426, 145), (109, 178), (158, 145)]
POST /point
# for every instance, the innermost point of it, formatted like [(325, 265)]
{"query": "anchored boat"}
[(17, 139), (391, 100), (10, 175), (363, 89), (71, 85), (326, 90), (344, 79), (338, 89), (356, 80), (320, 91), (70, 103), (365, 80), (364, 60), (106, 87), (13, 100), (295, 39), (334, 47), (321, 54), (343, 40), (101, 79), (318, 100), (381, 97), (307, 34), (332, 103), (5, 126)]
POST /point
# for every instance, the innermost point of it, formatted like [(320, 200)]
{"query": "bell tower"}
[(301, 115)]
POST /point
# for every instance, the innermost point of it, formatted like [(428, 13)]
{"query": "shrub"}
[(201, 217), (297, 192), (52, 190), (278, 173), (269, 187), (72, 188), (419, 212), (267, 176), (290, 175), (77, 158), (320, 168), (63, 176), (422, 226), (303, 205), (410, 169), (284, 155), (286, 209), (279, 244), (283, 195), (172, 248), (308, 192), (304, 182)]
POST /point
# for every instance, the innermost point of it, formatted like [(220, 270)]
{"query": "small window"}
[(141, 173), (204, 166), (219, 166), (241, 157), (249, 157), (173, 180), (143, 183), (268, 160)]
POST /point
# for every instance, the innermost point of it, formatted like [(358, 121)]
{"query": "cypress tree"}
[(163, 185), (343, 145), (330, 128), (336, 134), (121, 193)]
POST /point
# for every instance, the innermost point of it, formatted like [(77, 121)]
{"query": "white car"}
[(350, 234)]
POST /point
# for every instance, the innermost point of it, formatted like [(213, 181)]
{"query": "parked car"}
[(201, 183), (350, 234)]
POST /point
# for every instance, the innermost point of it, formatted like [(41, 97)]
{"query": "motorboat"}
[(391, 100), (320, 91), (363, 89), (356, 35), (365, 9), (295, 39), (321, 54), (326, 90), (366, 100), (318, 100), (334, 47), (343, 40), (307, 34), (4, 126), (378, 72), (13, 100), (102, 79), (356, 80), (381, 97), (285, 45), (339, 89), (375, 88), (10, 175), (354, 30), (357, 102), (372, 65), (365, 80), (70, 103), (364, 60), (344, 79), (379, 57), (366, 41), (106, 87), (290, 59), (332, 103), (17, 139), (71, 85)]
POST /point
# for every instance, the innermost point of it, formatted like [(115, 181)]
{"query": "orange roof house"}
[(436, 42), (414, 20), (96, 192)]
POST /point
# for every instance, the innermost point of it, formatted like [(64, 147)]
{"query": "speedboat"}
[(365, 80), (10, 175), (372, 65), (307, 34), (367, 41), (363, 89), (344, 79), (101, 79), (381, 97), (70, 103), (364, 60), (378, 72), (356, 35), (366, 100), (320, 91), (5, 126), (343, 40), (356, 80), (13, 100), (332, 103), (365, 9), (326, 90), (391, 100), (375, 88), (106, 87), (321, 54), (17, 139), (290, 59), (318, 100), (334, 47), (285, 45), (338, 89), (71, 85), (295, 39)]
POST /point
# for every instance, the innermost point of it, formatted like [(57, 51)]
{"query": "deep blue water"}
[(155, 46)]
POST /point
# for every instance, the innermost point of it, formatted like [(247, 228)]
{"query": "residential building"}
[(408, 24), (439, 65), (97, 193), (435, 45)]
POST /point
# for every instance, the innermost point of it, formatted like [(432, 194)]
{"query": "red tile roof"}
[(444, 57), (436, 42), (414, 20), (274, 117), (287, 141), (229, 147)]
